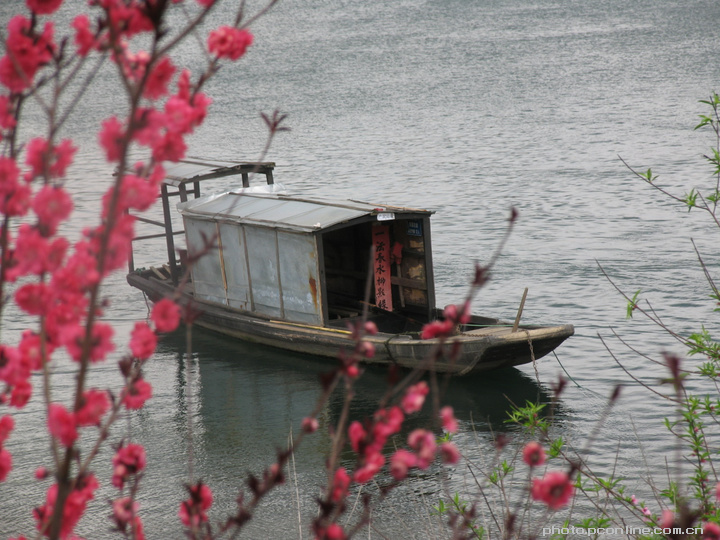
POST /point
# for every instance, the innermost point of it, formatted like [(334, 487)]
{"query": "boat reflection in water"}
[(247, 399)]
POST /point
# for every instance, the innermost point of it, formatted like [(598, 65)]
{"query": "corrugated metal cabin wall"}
[(208, 277), (272, 272), (264, 270), (300, 278), (234, 251)]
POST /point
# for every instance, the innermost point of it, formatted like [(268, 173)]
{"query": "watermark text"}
[(592, 531)]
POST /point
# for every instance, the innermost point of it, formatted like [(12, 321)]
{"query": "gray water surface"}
[(465, 107)]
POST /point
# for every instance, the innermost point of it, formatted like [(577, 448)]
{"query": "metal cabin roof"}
[(283, 211)]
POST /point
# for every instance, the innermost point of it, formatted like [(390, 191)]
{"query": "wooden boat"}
[(291, 272)]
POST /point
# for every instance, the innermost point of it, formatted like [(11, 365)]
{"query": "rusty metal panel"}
[(236, 269), (299, 277), (264, 275), (207, 273)]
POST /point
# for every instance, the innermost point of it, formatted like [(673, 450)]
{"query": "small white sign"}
[(385, 216)]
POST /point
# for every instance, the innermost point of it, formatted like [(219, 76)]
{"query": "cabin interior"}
[(401, 296)]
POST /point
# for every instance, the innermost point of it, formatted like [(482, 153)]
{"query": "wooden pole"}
[(520, 310)]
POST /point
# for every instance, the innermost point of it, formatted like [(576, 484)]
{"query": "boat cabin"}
[(280, 257)]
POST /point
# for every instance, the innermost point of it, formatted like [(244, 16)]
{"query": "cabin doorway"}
[(400, 300)]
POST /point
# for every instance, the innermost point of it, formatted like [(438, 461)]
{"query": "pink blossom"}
[(166, 315), (711, 531), (26, 53), (457, 314), (84, 37), (386, 422), (128, 460), (334, 531), (30, 255), (171, 147), (366, 349), (341, 483), (186, 109), (35, 155), (9, 364), (31, 350), (33, 298), (149, 125), (74, 505), (41, 473), (400, 462), (423, 442), (52, 205), (6, 426), (17, 202), (351, 371), (137, 393), (18, 367), (5, 463), (229, 42), (78, 273), (62, 158), (95, 404), (158, 79), (437, 329), (44, 7), (61, 424), (7, 117), (205, 3), (555, 489), (533, 454), (20, 394), (124, 509), (356, 433), (56, 254), (450, 453), (134, 19), (111, 138), (142, 341), (371, 328), (415, 397), (136, 193), (447, 416), (9, 174), (193, 510), (178, 116), (118, 241), (46, 160), (370, 467), (133, 64), (100, 342), (309, 425), (125, 517)]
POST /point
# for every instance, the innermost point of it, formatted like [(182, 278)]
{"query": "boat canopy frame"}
[(175, 184)]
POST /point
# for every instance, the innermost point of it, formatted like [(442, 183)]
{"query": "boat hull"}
[(490, 347)]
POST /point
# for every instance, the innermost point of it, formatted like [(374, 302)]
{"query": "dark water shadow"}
[(257, 385)]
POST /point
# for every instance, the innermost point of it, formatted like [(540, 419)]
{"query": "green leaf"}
[(691, 199), (632, 305)]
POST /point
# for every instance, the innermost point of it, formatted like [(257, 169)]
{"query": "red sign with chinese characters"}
[(381, 267)]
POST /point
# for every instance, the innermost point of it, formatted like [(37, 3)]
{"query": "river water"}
[(465, 107)]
